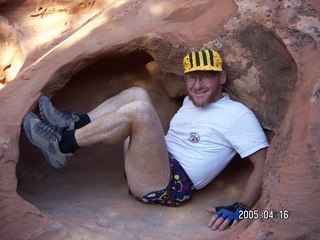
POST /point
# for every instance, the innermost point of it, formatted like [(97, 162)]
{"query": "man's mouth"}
[(200, 94)]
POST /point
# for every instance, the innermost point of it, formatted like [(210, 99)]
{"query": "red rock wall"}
[(270, 49)]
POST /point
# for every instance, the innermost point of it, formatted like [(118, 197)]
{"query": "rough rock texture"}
[(11, 56), (81, 52)]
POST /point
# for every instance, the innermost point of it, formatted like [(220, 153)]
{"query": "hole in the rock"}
[(93, 186), (99, 167)]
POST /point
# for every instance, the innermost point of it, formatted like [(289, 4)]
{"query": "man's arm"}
[(252, 190), (250, 194)]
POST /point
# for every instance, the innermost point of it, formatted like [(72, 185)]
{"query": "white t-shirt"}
[(205, 139)]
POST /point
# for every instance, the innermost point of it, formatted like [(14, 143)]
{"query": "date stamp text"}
[(265, 214)]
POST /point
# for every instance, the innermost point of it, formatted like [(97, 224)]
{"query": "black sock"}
[(84, 120), (68, 144)]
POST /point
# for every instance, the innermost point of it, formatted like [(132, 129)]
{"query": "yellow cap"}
[(205, 60)]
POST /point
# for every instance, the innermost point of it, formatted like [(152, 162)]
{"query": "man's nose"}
[(198, 83)]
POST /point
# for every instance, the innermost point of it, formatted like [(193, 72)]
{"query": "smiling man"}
[(204, 77), (201, 88), (204, 135), (210, 128)]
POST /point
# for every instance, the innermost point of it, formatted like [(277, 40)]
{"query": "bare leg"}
[(146, 161), (112, 104)]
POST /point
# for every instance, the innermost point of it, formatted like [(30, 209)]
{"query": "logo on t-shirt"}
[(194, 137)]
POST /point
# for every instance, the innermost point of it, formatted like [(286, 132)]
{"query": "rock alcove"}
[(91, 194), (90, 51)]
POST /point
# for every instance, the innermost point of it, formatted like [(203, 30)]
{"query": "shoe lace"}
[(64, 114), (49, 131)]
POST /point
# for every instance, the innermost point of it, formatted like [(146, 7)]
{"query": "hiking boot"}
[(46, 138), (56, 117)]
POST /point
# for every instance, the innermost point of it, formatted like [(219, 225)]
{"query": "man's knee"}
[(141, 106), (139, 110), (138, 93)]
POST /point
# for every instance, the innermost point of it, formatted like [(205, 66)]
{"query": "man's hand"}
[(224, 215), (218, 223)]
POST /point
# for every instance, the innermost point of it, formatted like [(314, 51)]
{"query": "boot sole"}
[(44, 100), (52, 161)]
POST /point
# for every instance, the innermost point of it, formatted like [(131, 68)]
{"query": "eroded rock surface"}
[(11, 54), (82, 52)]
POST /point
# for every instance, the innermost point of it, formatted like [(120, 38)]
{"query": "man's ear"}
[(223, 77)]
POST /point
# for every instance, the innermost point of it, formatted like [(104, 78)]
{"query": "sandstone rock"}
[(45, 7), (92, 50), (11, 54)]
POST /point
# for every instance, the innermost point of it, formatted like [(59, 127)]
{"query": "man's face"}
[(205, 87)]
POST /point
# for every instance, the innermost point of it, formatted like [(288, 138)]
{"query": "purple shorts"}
[(178, 191)]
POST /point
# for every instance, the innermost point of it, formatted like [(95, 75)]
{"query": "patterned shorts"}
[(178, 191)]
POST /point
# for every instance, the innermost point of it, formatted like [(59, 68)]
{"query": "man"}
[(204, 135)]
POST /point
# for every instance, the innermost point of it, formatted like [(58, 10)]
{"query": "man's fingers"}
[(234, 223), (216, 224), (212, 220), (211, 210), (224, 224)]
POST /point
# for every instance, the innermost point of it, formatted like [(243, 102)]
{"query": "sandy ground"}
[(89, 199)]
